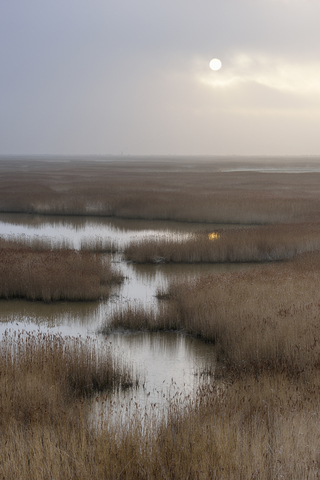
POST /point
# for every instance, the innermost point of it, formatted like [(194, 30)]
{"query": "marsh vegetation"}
[(263, 318), (257, 244), (251, 426), (187, 189), (257, 415), (35, 271)]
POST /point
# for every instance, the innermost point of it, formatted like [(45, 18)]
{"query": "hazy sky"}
[(133, 76)]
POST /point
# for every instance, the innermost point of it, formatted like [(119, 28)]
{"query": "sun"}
[(215, 64)]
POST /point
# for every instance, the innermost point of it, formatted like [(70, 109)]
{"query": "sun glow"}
[(271, 72), (215, 64)]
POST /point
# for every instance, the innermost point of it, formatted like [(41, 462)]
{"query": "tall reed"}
[(265, 318), (249, 423), (259, 244), (42, 374), (257, 427), (36, 272), (192, 190), (137, 318)]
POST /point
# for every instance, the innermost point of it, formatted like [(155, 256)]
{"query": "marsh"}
[(220, 348)]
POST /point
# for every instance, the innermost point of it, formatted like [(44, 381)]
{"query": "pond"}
[(167, 362)]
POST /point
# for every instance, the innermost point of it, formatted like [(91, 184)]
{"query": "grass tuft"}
[(36, 272), (258, 244)]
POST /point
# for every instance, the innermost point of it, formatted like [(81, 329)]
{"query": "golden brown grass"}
[(190, 189), (258, 420), (258, 244), (256, 427), (36, 272), (42, 374), (259, 423), (98, 245), (267, 318), (137, 318)]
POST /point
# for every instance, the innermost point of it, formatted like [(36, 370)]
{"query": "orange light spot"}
[(213, 236)]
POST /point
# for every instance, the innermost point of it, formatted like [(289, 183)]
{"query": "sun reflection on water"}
[(213, 236)]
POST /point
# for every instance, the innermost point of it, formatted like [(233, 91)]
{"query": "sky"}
[(132, 76)]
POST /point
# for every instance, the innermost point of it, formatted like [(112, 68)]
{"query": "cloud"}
[(96, 76), (301, 78)]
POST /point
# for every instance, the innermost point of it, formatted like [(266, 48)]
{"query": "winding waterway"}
[(169, 364)]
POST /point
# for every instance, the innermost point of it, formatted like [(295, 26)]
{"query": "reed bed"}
[(98, 245), (135, 317), (254, 244), (191, 190), (44, 381), (42, 374), (258, 419), (263, 319), (36, 272), (254, 427), (266, 318)]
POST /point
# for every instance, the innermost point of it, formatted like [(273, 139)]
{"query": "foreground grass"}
[(261, 427), (42, 374), (258, 244), (257, 420), (34, 271)]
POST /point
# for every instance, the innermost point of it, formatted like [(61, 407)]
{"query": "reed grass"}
[(260, 319), (257, 423), (257, 244), (33, 271), (263, 319), (191, 190), (135, 317), (42, 374), (259, 417), (98, 245), (257, 427)]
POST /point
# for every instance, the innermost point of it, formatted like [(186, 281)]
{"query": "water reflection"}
[(141, 281), (77, 317), (73, 230), (213, 236), (81, 223), (170, 364)]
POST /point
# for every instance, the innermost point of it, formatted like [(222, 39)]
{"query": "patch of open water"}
[(73, 230), (170, 364)]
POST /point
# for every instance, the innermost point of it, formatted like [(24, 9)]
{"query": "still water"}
[(169, 364)]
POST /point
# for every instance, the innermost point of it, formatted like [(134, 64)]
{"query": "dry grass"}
[(258, 421), (137, 318), (43, 374), (190, 189), (257, 428), (263, 319), (261, 427), (258, 244), (255, 423), (33, 271), (98, 245)]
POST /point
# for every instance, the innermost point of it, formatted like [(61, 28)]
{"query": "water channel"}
[(168, 363)]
